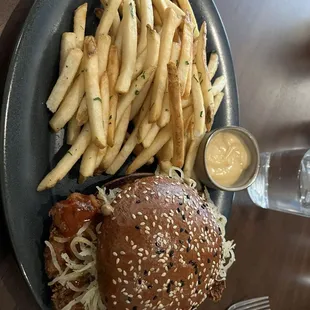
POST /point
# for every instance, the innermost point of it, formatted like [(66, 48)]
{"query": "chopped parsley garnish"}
[(70, 153), (137, 92), (187, 62), (97, 99), (201, 113)]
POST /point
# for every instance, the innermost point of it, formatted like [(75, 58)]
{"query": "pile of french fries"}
[(146, 64)]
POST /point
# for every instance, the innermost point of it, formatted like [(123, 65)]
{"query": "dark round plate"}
[(30, 149)]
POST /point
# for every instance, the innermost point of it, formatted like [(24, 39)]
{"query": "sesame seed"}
[(119, 270), (114, 282), (133, 216), (125, 281), (114, 253), (117, 261), (122, 253), (134, 247)]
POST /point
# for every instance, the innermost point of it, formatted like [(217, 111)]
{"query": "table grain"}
[(270, 42)]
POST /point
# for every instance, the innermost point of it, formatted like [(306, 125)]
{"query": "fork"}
[(261, 303)]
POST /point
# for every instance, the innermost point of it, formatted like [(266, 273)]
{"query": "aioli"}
[(227, 156)]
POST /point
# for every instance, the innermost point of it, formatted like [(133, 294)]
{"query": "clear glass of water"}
[(283, 182)]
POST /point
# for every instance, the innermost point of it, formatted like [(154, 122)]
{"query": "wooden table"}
[(270, 41)]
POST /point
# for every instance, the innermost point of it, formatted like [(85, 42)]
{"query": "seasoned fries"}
[(198, 105), (88, 163), (93, 96), (65, 79), (108, 17), (218, 85), (68, 42), (186, 53), (68, 161), (79, 24), (203, 74), (147, 19), (171, 22), (134, 91), (113, 71), (146, 66), (130, 40), (82, 113), (69, 105), (213, 64), (103, 47), (176, 115)]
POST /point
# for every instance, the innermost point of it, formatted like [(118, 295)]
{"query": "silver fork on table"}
[(261, 303)]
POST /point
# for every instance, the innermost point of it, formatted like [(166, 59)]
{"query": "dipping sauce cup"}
[(233, 144)]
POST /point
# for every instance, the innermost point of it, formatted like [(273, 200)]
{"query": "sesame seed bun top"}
[(160, 250)]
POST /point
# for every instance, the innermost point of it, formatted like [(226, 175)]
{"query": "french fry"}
[(129, 44), (108, 18), (73, 130), (65, 79), (153, 43), (161, 139), (119, 139), (100, 156), (165, 167), (177, 10), (68, 161), (217, 101), (138, 149), (218, 85), (204, 79), (93, 96), (139, 100), (171, 22), (144, 128), (88, 163), (188, 86), (138, 8), (213, 64), (68, 42), (198, 105), (139, 64), (191, 157), (103, 47), (69, 105), (135, 89), (79, 24), (113, 72), (147, 18), (176, 115), (166, 152), (82, 113), (116, 19), (105, 98), (161, 7), (165, 113), (186, 52), (175, 53), (130, 143), (186, 6), (151, 135), (119, 40), (157, 18)]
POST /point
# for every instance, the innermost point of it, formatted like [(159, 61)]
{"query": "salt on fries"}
[(146, 65)]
